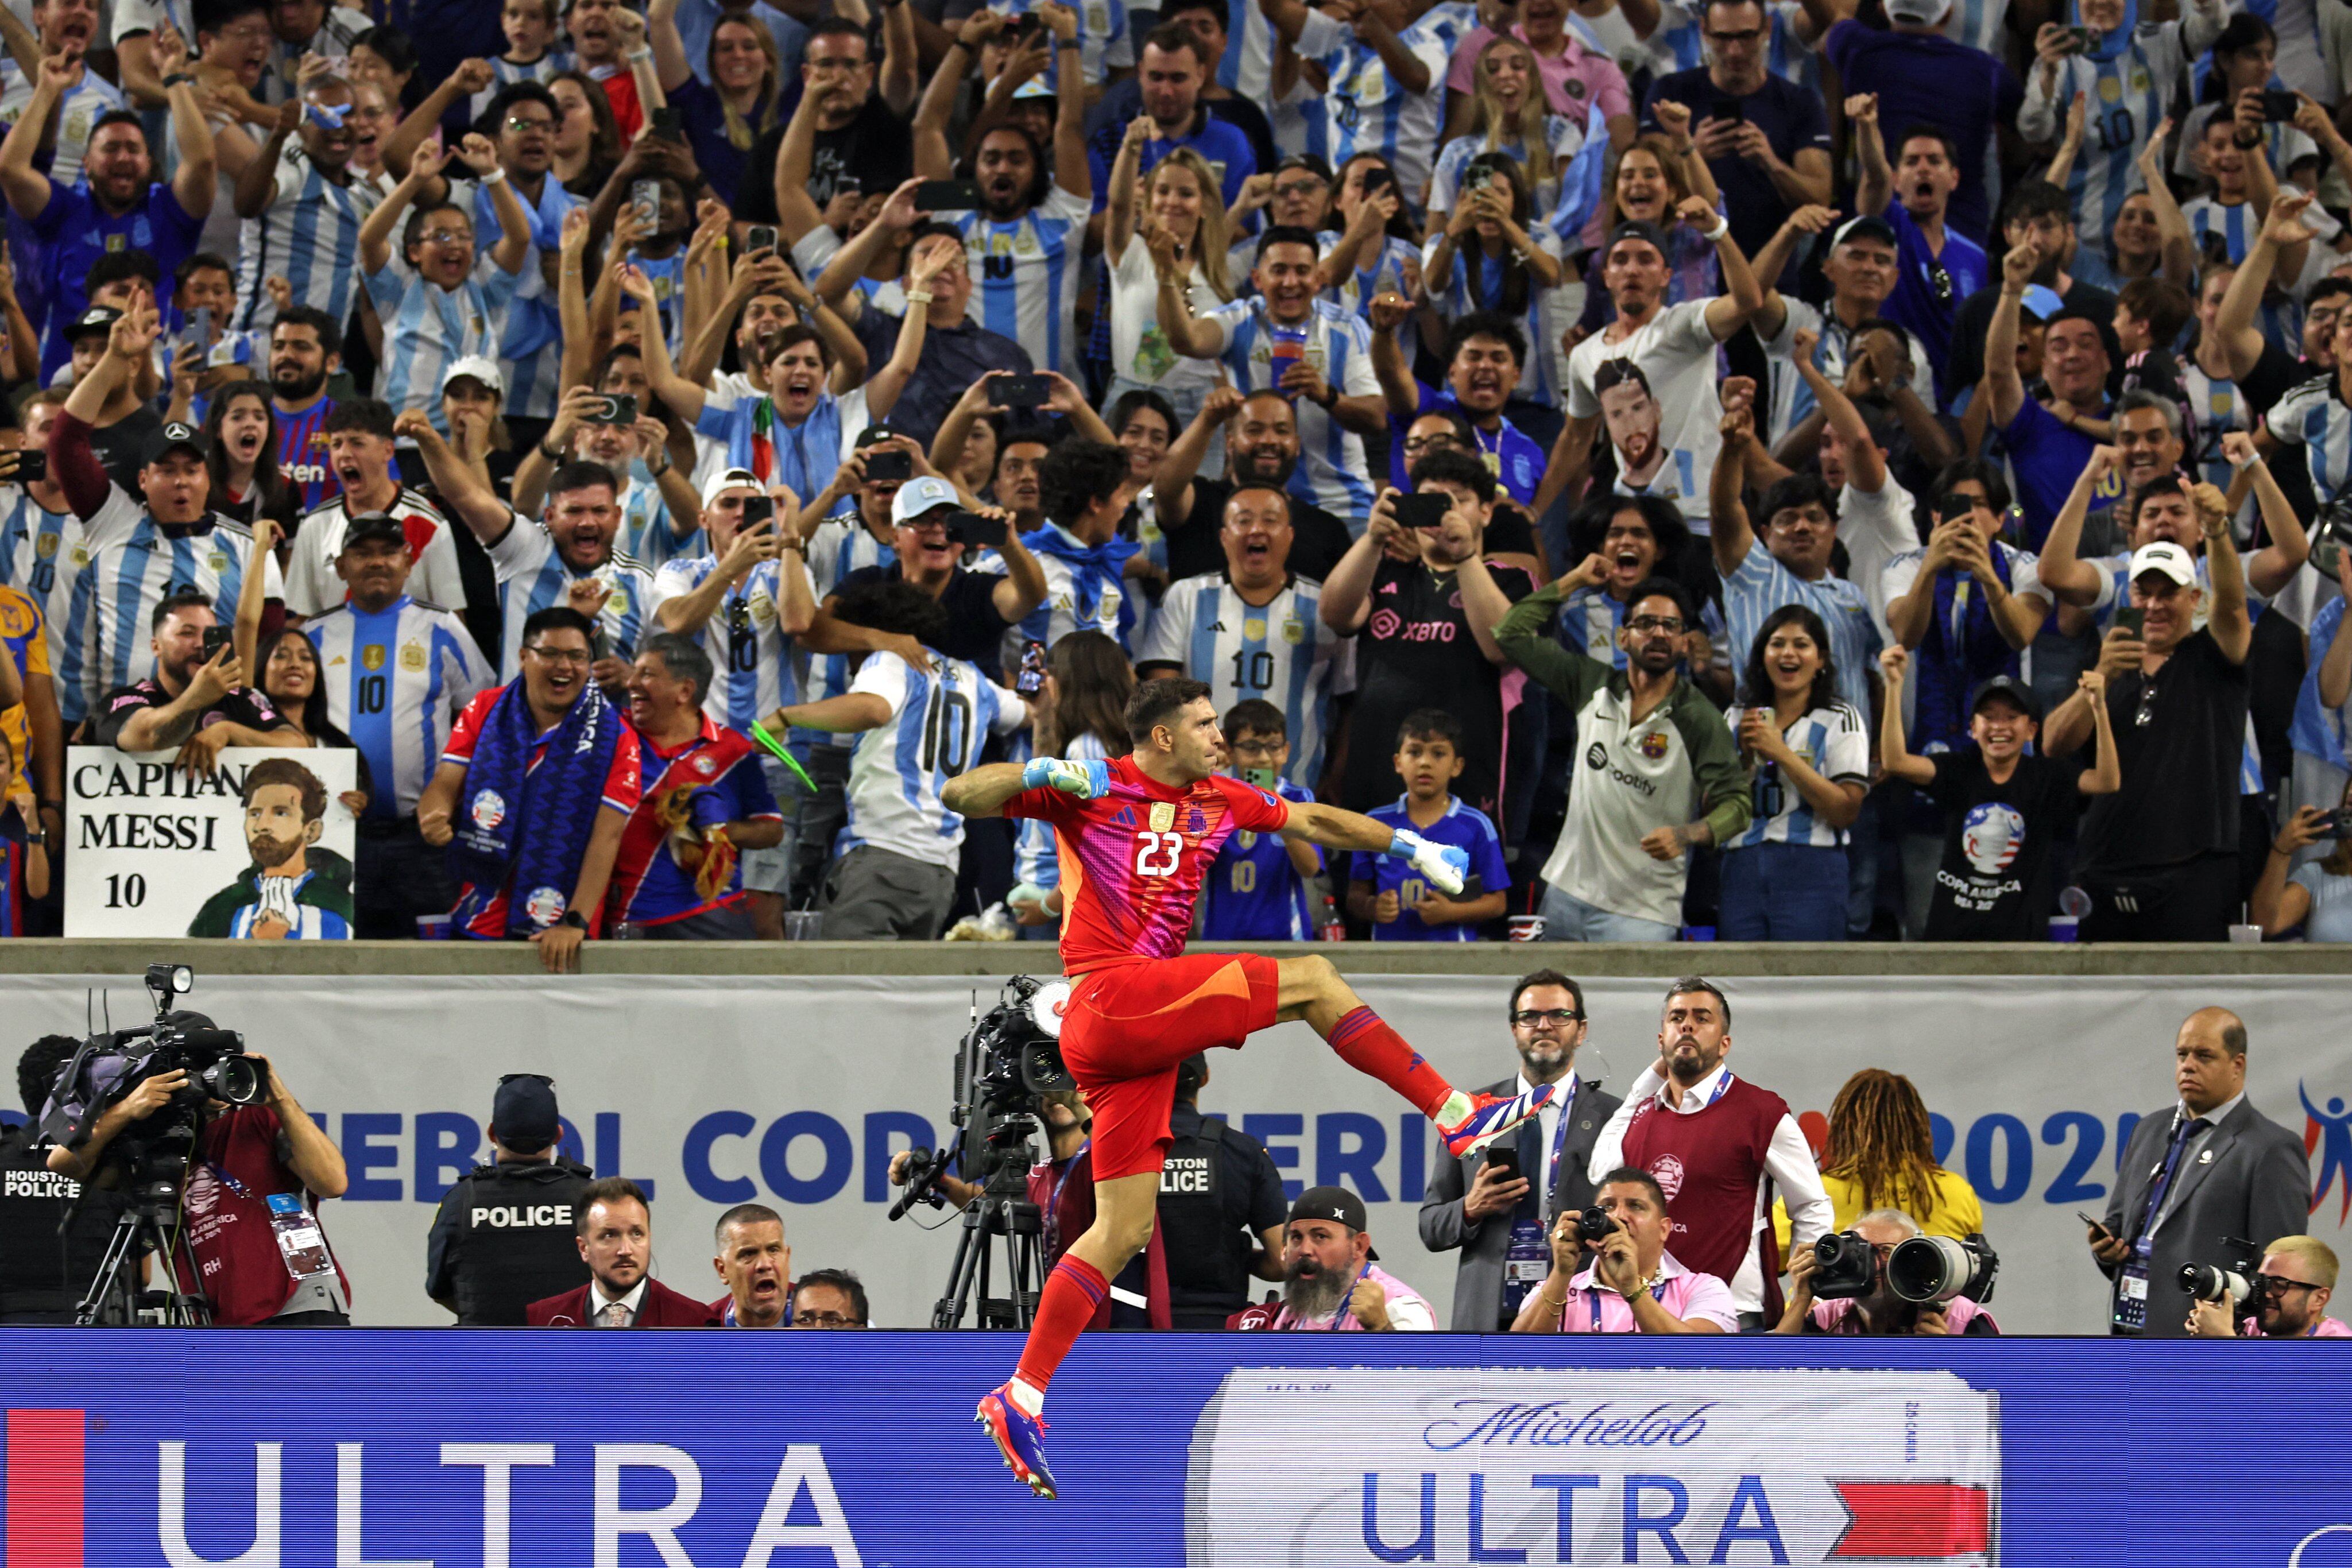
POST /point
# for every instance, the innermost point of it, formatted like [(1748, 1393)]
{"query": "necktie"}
[(618, 1316)]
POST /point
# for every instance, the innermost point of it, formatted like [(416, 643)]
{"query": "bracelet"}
[(918, 297), (657, 473), (551, 456), (176, 79), (497, 175), (639, 55), (1722, 227)]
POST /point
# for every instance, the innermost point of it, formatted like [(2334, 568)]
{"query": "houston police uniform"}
[(1219, 1193), (503, 1239), (42, 1274)]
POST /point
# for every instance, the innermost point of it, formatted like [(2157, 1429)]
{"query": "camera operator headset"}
[(2287, 1296), (246, 1259), (42, 1273), (1875, 1309), (1611, 1272)]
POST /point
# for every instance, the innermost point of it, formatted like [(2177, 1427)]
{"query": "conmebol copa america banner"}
[(796, 1092), (512, 1449)]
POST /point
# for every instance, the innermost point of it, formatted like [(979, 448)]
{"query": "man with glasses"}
[(1261, 430), (502, 1238), (1485, 355), (1497, 1208), (829, 1299), (1657, 771), (2301, 1275), (1765, 139)]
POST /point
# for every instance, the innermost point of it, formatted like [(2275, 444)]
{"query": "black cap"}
[(872, 433), (2012, 688), (1865, 227), (374, 526), (1648, 234), (176, 437), (96, 318), (1335, 1203), (524, 1115)]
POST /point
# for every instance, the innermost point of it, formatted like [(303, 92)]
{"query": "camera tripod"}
[(1001, 1220), (150, 1225)]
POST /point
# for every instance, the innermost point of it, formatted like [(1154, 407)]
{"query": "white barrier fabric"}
[(794, 1092)]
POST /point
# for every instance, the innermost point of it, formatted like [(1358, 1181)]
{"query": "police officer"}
[(504, 1236), (43, 1274), (1496, 1207), (1222, 1210)]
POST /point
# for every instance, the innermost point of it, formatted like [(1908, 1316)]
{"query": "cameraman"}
[(43, 1275), (1628, 1283), (2304, 1270), (1882, 1312), (1061, 1185), (243, 1154)]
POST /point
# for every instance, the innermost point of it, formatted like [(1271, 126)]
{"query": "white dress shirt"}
[(1548, 1129), (598, 1300), (1788, 1162)]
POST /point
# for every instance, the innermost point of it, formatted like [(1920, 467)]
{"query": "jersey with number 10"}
[(1132, 862)]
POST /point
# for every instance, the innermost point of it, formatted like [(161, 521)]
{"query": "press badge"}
[(1525, 1264), (299, 1240)]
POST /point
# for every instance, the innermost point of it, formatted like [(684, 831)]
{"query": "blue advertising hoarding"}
[(410, 1449)]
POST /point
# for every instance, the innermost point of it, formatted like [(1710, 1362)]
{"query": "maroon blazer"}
[(661, 1308)]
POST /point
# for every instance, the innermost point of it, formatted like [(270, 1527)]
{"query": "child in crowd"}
[(1257, 889), (1400, 906)]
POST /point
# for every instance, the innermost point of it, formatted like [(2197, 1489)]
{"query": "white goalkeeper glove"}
[(1442, 865), (1087, 780)]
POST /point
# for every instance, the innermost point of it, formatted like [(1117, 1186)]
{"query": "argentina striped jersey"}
[(395, 682)]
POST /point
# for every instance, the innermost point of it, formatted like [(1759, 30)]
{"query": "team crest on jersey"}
[(1653, 745), (1163, 816), (1109, 613), (1099, 20), (703, 764), (763, 607), (1294, 632), (545, 907), (46, 546), (412, 658), (115, 243), (1025, 243), (218, 561), (2110, 88), (617, 602), (488, 809), (1197, 821), (81, 555), (15, 617), (1254, 629), (1669, 1172), (372, 656)]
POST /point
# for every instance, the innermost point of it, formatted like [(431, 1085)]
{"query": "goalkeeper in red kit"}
[(1134, 837)]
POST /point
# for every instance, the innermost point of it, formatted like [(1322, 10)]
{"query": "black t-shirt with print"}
[(1993, 884)]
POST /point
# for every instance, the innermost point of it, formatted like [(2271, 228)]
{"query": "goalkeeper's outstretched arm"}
[(1444, 865), (984, 792)]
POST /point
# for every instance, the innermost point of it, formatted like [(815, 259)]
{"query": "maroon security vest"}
[(1710, 1163)]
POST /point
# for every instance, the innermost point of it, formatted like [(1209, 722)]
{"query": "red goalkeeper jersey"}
[(1132, 862)]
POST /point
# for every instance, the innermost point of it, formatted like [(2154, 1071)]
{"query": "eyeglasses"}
[(2281, 1282), (1299, 188), (1655, 623), (1748, 35), (1430, 443), (1255, 747), (446, 236), (825, 1321), (562, 655), (522, 122), (1532, 1017), (2146, 713)]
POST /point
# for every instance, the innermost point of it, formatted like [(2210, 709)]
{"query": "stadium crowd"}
[(1761, 469)]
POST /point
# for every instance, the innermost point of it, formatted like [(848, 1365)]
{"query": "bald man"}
[(2204, 1174)]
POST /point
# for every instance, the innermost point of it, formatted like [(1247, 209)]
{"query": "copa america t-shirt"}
[(1993, 885)]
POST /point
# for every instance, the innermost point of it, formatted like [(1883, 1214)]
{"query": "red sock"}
[(1370, 1046), (1073, 1290)]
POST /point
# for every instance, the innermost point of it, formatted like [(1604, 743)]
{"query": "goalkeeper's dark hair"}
[(1155, 702)]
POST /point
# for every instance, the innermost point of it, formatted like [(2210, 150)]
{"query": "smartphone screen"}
[(1020, 391), (759, 238), (971, 528), (617, 408), (644, 195), (1955, 508), (216, 639), (758, 510), (1503, 1163)]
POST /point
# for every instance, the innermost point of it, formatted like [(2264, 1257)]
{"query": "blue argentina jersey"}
[(939, 719), (533, 575), (805, 456), (1025, 276), (1481, 288), (1280, 652), (749, 650), (1762, 585), (1364, 109), (841, 545), (2128, 92), (308, 236), (1834, 741), (1590, 620), (1331, 473), (1792, 401), (41, 556), (77, 112), (2219, 408), (532, 348), (647, 537), (1561, 134), (2215, 226), (1106, 40), (2316, 729), (134, 566), (2313, 415), (396, 683), (427, 329), (1252, 891), (1079, 597), (1464, 827)]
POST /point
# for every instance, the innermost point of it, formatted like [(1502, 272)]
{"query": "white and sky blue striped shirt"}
[(1834, 741), (308, 236), (84, 103), (841, 545), (1025, 274), (395, 682), (753, 666), (134, 566), (2127, 96), (427, 329), (647, 537), (1365, 110), (1332, 472), (533, 575), (1280, 652), (1034, 859), (41, 554), (1106, 40), (2314, 416), (938, 722), (1762, 585)]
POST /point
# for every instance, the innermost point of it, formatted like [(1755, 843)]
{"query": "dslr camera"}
[(1845, 1267), (1594, 1224), (2237, 1281)]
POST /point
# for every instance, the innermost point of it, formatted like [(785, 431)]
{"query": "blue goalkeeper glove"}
[(1087, 780), (1443, 865)]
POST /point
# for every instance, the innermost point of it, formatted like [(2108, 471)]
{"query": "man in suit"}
[(2198, 1177), (1488, 1207), (616, 1235)]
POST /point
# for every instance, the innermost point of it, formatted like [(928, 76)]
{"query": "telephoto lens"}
[(1934, 1268), (2207, 1282), (238, 1080)]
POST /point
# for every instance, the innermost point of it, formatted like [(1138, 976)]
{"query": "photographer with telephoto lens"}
[(2286, 1298), (256, 1251), (1611, 1272), (1844, 1284)]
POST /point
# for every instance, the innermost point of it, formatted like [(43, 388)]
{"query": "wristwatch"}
[(175, 79), (574, 918)]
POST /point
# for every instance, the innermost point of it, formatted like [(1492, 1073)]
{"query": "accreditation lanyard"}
[(1722, 1087), (1592, 1301), (2128, 1312)]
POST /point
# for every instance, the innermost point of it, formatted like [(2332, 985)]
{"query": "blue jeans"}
[(1570, 919), (1783, 892)]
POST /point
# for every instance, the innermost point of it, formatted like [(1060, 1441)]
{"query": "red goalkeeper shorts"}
[(1128, 1027)]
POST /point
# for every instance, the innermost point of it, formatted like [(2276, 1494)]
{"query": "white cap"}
[(483, 370), (2168, 560), (729, 479), (1918, 13), (919, 496)]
